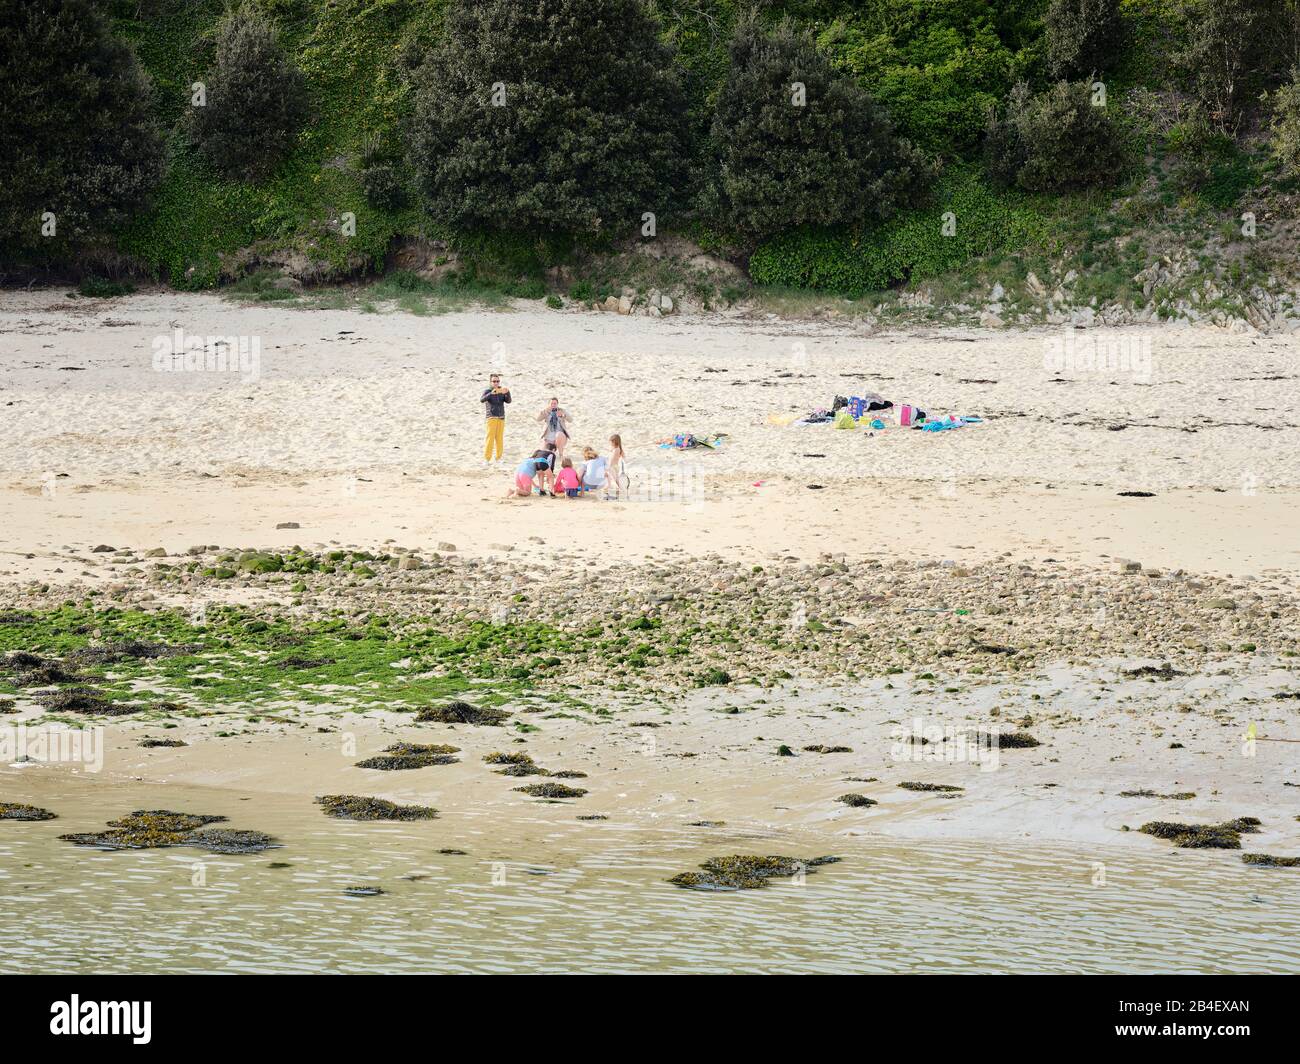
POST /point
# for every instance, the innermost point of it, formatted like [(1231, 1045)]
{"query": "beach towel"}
[(950, 421)]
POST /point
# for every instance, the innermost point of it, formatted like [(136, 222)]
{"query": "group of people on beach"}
[(548, 471)]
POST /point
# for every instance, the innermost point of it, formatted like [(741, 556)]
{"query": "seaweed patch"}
[(461, 713), (745, 871), (1267, 860), (1225, 836), (551, 790), (412, 755), (913, 786), (820, 749), (19, 811), (1176, 796), (856, 800), (155, 828), (231, 840), (84, 700), (515, 764), (131, 649), (355, 807)]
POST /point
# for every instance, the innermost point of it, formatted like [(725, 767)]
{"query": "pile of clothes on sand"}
[(849, 412)]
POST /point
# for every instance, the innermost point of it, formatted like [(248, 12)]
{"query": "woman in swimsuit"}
[(557, 426)]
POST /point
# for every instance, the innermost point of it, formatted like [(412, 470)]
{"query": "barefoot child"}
[(524, 474), (614, 475), (567, 480)]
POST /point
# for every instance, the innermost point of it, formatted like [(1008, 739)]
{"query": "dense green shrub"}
[(103, 288), (936, 67), (1284, 138), (965, 219), (1058, 140), (1083, 36), (799, 144), (1232, 49), (256, 101), (77, 138), (550, 117), (380, 171), (1207, 162)]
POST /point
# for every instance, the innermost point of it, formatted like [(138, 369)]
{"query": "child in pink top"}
[(567, 480)]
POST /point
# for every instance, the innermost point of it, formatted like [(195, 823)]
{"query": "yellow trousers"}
[(496, 438)]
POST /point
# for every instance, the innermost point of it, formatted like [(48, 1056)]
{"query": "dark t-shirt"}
[(495, 405)]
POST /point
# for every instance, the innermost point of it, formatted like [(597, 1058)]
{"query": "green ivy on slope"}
[(347, 53), (912, 246)]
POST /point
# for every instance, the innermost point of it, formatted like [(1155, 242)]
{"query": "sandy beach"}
[(687, 648)]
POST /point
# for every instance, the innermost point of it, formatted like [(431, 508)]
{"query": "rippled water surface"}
[(592, 897)]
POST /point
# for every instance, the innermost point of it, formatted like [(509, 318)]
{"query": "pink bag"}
[(906, 415)]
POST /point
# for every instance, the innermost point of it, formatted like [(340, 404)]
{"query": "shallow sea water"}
[(593, 897)]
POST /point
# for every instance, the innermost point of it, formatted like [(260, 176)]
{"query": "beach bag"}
[(844, 420), (857, 407), (909, 415)]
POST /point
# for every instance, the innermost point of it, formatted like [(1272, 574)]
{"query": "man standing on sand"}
[(494, 404)]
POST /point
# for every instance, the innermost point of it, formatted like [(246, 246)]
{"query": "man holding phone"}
[(494, 404)]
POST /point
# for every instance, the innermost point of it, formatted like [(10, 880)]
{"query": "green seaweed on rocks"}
[(856, 800), (356, 807), (821, 749), (1176, 796), (32, 670), (19, 811), (154, 828), (130, 649), (1015, 740), (496, 757), (231, 840), (363, 892), (84, 700), (462, 713), (745, 871), (401, 756), (911, 785), (150, 743), (515, 764), (1225, 836), (1267, 860), (1161, 672), (551, 790)]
